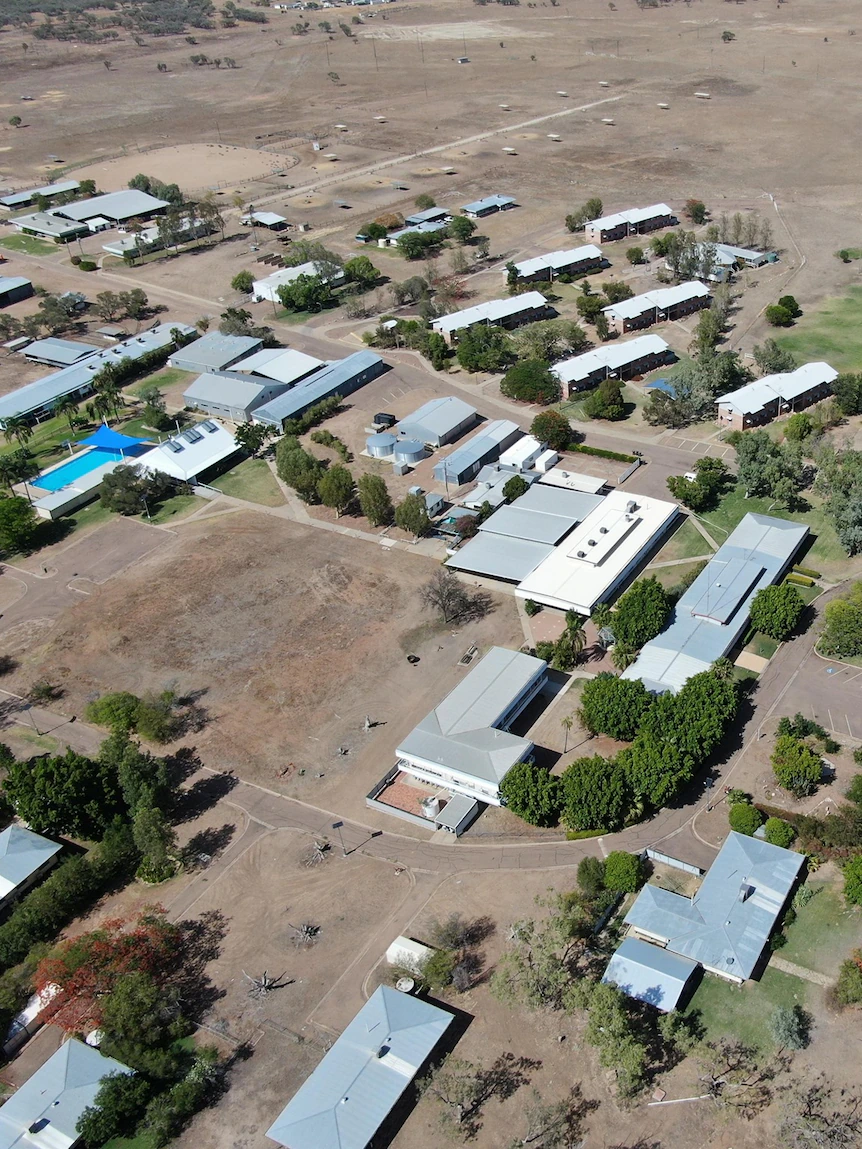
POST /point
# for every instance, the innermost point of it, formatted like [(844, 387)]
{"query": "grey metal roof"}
[(459, 807), (713, 612), (60, 352), (56, 1094), (356, 1085), (226, 389), (20, 199), (500, 557), (429, 215), (47, 224), (490, 201), (10, 282), (648, 973), (117, 205), (727, 923), (214, 351), (321, 385), (543, 514), (21, 854), (43, 392), (785, 387), (493, 436), (461, 732), (436, 419), (573, 505)]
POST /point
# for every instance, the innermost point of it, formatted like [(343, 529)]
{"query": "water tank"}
[(430, 806), (409, 451), (380, 446)]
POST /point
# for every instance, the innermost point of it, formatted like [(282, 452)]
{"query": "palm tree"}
[(101, 406), (722, 668), (8, 470), (578, 637), (17, 428), (67, 406), (623, 655), (567, 723), (601, 615), (110, 393)]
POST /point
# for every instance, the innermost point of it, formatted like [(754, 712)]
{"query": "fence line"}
[(658, 856)]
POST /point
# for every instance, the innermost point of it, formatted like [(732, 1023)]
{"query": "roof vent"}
[(631, 505), (582, 554), (745, 892), (382, 1051), (603, 530), (591, 542)]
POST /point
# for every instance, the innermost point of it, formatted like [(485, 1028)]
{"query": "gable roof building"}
[(507, 313), (618, 360), (192, 452), (489, 205), (268, 288), (23, 856), (439, 421), (53, 226), (464, 743), (713, 613), (58, 352), (632, 221), (281, 364), (357, 1084), (44, 1112), (14, 288), (229, 395), (341, 377), (485, 446), (762, 400), (116, 207), (649, 973), (23, 198), (214, 352), (570, 261), (725, 925), (657, 306)]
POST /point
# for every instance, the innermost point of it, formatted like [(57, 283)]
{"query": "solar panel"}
[(192, 436), (174, 446), (209, 426)]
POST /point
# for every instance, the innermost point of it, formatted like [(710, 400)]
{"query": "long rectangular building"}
[(617, 360), (773, 395), (633, 221), (485, 446), (25, 198), (342, 377), (574, 261), (439, 421), (508, 313), (658, 306), (464, 744), (712, 615)]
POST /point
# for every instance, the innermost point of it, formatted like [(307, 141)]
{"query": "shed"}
[(24, 858), (439, 421), (214, 352), (14, 288), (457, 814), (408, 954), (58, 352)]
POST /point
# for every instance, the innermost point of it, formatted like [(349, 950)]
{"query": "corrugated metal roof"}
[(117, 205), (214, 351), (48, 224), (609, 356), (460, 732), (59, 352), (10, 282), (649, 973), (555, 260), (786, 387), (543, 514), (56, 1094), (492, 435), (225, 389), (321, 385), (490, 201), (24, 197), (284, 365), (429, 215), (354, 1088), (728, 921), (661, 298), (490, 312), (713, 612), (633, 215), (499, 556), (436, 419), (21, 854)]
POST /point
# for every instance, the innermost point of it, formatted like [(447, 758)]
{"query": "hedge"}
[(576, 835), (600, 453), (807, 571), (799, 580)]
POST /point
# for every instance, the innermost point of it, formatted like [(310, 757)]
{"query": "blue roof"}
[(726, 924), (648, 973), (106, 437), (22, 852), (356, 1085), (662, 385)]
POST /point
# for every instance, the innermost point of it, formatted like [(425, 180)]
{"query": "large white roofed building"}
[(572, 261), (657, 306), (192, 452)]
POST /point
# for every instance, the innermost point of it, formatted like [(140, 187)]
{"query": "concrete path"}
[(799, 971)]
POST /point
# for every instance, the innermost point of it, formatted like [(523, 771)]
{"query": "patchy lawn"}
[(253, 481), (28, 244), (167, 377), (743, 1011), (671, 577), (825, 931), (177, 507), (832, 331), (685, 543), (763, 646)]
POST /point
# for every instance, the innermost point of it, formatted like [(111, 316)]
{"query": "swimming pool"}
[(80, 465)]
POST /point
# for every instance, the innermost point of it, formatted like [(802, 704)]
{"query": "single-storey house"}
[(712, 614), (58, 352), (116, 207), (650, 974), (574, 261), (633, 221), (725, 926), (361, 1078), (229, 395), (268, 219), (439, 421), (429, 227), (44, 1112), (773, 395), (657, 306), (16, 200), (342, 377), (429, 215), (510, 312), (489, 205), (25, 858), (214, 352), (268, 288), (198, 451), (464, 744), (616, 360), (14, 288), (485, 446), (726, 259), (51, 226)]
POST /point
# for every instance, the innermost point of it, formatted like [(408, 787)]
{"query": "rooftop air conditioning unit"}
[(631, 505)]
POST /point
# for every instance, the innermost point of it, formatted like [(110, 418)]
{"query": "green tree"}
[(515, 487), (155, 839), (772, 359), (243, 282), (612, 1029), (117, 1108), (553, 428), (778, 832), (531, 381), (361, 270), (18, 525), (411, 515), (305, 293), (67, 406), (641, 613), (374, 230), (745, 818), (776, 610), (695, 210), (788, 302), (416, 244), (614, 706), (591, 876), (778, 316), (615, 291), (374, 500), (424, 201), (588, 211), (66, 794), (299, 469), (252, 437), (798, 427), (482, 348), (635, 255), (848, 988), (623, 655), (118, 711), (606, 402), (141, 1020), (595, 794), (796, 767), (532, 793), (768, 469), (336, 489), (17, 428), (847, 389), (15, 121), (623, 872), (461, 228), (143, 779), (853, 881)]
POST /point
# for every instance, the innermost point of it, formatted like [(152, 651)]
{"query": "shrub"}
[(853, 881), (623, 872), (776, 611), (807, 571), (848, 988), (438, 969), (591, 876), (531, 607), (778, 316), (601, 453), (854, 790), (778, 832), (796, 767), (799, 580), (87, 265), (745, 819)]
